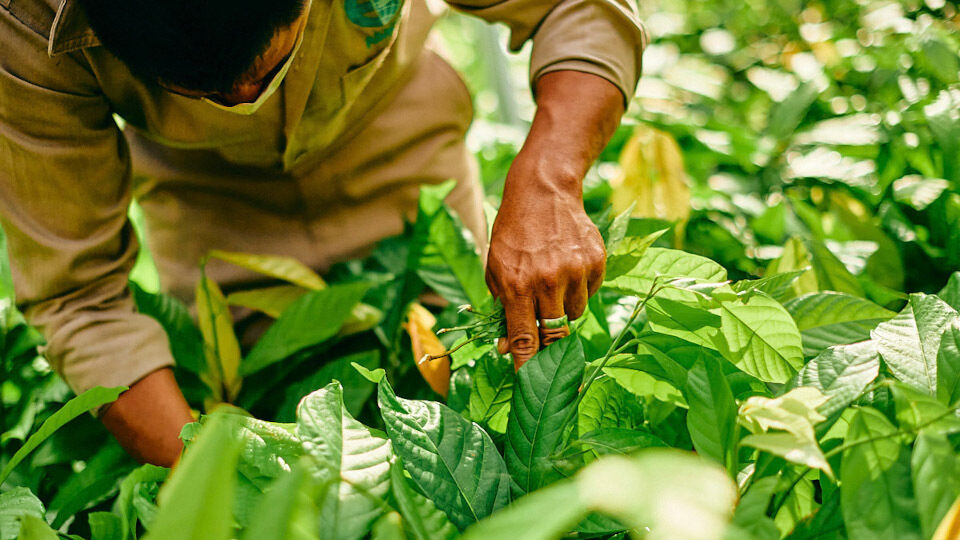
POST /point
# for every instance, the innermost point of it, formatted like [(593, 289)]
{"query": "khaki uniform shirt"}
[(329, 164)]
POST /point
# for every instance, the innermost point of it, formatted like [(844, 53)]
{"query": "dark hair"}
[(203, 45)]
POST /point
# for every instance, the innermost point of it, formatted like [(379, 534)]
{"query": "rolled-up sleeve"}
[(64, 195), (602, 37)]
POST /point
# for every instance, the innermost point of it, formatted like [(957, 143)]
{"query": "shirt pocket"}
[(373, 43)]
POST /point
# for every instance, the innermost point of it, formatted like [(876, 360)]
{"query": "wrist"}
[(533, 175)]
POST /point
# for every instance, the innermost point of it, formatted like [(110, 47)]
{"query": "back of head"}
[(203, 45)]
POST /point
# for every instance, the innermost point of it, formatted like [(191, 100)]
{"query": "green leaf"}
[(220, 342), (448, 260), (665, 492), (90, 400), (945, 127), (692, 323), (105, 526), (314, 318), (951, 291), (627, 253), (831, 318), (270, 300), (936, 479), (545, 514), (275, 266), (388, 527), (606, 404), (795, 414), (786, 115), (448, 457), (750, 519), (938, 58), (645, 385), (372, 375), (918, 192), (14, 505), (909, 342), (712, 419), (493, 381), (760, 338), (35, 528), (196, 501), (97, 481), (352, 461), (421, 517), (618, 441), (126, 505), (186, 342), (778, 286), (877, 495), (666, 263), (545, 392), (287, 510), (841, 373), (948, 365), (916, 410), (795, 258)]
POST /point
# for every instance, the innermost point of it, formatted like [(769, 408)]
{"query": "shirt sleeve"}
[(602, 37), (64, 195)]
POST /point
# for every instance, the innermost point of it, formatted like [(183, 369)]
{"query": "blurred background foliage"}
[(771, 134)]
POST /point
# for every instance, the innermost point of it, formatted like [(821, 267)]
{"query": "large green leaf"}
[(130, 489), (936, 479), (613, 440), (948, 365), (288, 511), (545, 392), (448, 457), (545, 514), (492, 391), (909, 342), (663, 492), (644, 384), (712, 419), (831, 318), (760, 338), (354, 463), (272, 301), (186, 343), (690, 322), (841, 373), (34, 528), (221, 347), (452, 253), (314, 318), (778, 286), (951, 291), (196, 502), (105, 526), (275, 266), (15, 504), (422, 519), (607, 404), (877, 494), (665, 263), (97, 481), (90, 400)]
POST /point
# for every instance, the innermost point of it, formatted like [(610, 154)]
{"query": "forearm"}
[(577, 114), (146, 420)]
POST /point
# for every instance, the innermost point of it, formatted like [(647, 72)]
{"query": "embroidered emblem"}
[(374, 14)]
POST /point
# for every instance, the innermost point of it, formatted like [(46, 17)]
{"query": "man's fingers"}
[(521, 328), (575, 302), (550, 307)]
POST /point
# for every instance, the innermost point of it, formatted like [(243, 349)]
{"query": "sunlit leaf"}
[(831, 318), (760, 338), (935, 469), (222, 350), (841, 372), (275, 266), (712, 420)]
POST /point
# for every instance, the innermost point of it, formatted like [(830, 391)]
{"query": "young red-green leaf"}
[(712, 419), (452, 460), (545, 393), (909, 342), (877, 493), (352, 462)]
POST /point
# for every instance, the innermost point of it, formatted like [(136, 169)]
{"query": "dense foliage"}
[(752, 368)]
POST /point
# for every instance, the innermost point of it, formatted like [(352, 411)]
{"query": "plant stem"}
[(606, 358)]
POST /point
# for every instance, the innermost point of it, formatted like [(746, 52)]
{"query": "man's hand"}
[(147, 419), (546, 256)]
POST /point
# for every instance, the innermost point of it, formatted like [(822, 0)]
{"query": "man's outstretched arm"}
[(147, 419), (546, 256)]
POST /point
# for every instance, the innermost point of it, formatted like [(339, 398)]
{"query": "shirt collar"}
[(70, 30)]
